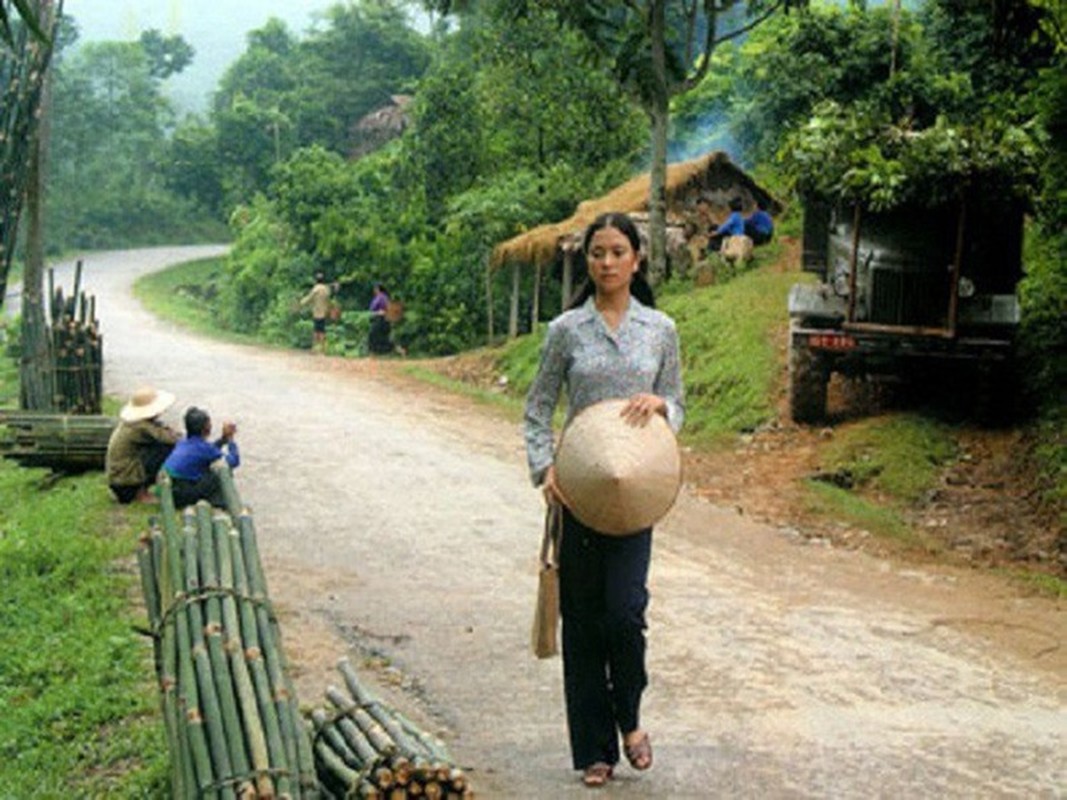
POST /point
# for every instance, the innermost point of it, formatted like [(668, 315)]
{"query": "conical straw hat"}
[(146, 402), (618, 478)]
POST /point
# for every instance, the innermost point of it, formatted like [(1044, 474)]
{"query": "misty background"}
[(215, 28)]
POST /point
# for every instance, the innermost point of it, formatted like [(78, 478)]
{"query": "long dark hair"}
[(639, 286)]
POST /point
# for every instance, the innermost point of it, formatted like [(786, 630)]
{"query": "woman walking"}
[(611, 344)]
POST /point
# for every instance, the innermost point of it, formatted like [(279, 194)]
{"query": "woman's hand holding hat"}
[(640, 408), (618, 476)]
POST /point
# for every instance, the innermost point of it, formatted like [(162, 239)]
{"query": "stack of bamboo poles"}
[(230, 713), (365, 749), (77, 348), (58, 442)]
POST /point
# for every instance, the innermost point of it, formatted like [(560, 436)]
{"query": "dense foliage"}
[(108, 146), (858, 156), (504, 133), (518, 110)]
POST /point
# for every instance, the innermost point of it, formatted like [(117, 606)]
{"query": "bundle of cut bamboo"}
[(57, 441), (77, 348), (365, 749), (230, 713)]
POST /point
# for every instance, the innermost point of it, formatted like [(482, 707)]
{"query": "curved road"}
[(398, 528)]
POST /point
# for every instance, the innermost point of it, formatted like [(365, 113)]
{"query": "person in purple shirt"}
[(379, 340), (189, 463)]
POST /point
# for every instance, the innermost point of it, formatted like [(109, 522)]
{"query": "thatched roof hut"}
[(381, 125), (702, 187)]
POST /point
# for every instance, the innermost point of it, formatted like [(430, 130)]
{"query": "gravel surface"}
[(398, 528)]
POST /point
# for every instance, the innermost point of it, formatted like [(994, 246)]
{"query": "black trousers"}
[(379, 339), (603, 597), (152, 457), (187, 493)]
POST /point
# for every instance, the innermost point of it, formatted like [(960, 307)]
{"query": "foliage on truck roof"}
[(856, 156)]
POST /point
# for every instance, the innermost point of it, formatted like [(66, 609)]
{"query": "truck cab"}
[(913, 284)]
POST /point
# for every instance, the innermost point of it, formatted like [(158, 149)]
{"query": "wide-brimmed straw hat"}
[(145, 403), (618, 478)]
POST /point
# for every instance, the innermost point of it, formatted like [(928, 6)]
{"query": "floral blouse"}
[(595, 363)]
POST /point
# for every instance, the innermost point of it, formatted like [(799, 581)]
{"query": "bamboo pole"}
[(209, 701), (229, 488), (226, 693), (221, 673), (252, 653), (250, 705), (400, 760), (62, 442), (274, 654), (189, 699)]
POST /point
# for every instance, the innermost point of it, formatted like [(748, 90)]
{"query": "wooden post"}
[(489, 298), (957, 268), (568, 279), (853, 265), (513, 313), (535, 306)]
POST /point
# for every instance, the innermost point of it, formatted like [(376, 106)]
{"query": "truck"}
[(905, 288)]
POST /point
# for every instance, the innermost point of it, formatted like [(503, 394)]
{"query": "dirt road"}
[(398, 528)]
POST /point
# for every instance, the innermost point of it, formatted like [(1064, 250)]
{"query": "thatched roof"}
[(538, 245), (392, 118), (381, 125)]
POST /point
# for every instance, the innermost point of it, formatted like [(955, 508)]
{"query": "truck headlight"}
[(841, 284)]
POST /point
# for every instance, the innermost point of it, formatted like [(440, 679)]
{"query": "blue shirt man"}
[(189, 464), (733, 226), (759, 226)]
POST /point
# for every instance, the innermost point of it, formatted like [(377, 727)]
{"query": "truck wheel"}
[(808, 378)]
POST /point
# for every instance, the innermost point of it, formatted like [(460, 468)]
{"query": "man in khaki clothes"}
[(139, 445), (319, 298)]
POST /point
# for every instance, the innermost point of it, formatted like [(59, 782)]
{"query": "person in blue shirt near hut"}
[(759, 226), (733, 226), (189, 463)]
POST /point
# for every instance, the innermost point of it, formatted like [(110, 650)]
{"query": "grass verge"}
[(874, 469), (169, 294), (898, 456), (80, 710)]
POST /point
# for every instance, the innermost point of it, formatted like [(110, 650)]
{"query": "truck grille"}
[(909, 298)]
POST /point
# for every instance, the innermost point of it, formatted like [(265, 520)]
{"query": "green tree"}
[(108, 170), (167, 55), (657, 49), (191, 165), (252, 132), (365, 52)]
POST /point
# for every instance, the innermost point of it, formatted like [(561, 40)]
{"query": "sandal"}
[(639, 754), (596, 775)]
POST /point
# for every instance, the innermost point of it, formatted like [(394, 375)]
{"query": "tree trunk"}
[(36, 373), (657, 107)]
